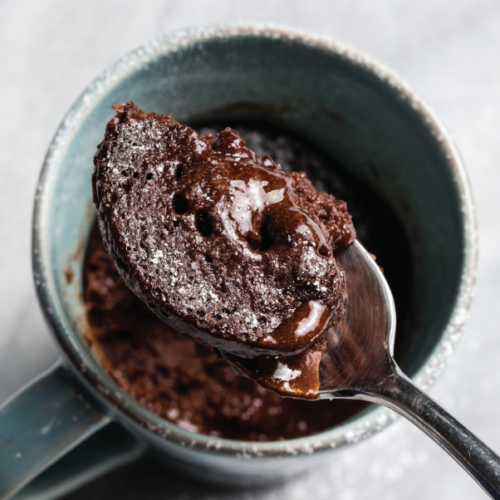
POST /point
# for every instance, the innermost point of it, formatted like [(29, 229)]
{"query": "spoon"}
[(358, 364)]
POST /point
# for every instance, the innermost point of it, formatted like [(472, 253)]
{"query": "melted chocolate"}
[(289, 376), (223, 244)]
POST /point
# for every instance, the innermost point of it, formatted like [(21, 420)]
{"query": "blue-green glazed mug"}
[(74, 421)]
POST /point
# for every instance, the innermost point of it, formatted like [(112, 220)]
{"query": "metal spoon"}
[(358, 364)]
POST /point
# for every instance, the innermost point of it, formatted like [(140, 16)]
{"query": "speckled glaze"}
[(348, 104)]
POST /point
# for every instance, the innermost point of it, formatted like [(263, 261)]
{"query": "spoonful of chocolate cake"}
[(224, 245), (221, 243)]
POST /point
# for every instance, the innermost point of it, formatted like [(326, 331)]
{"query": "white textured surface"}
[(448, 50)]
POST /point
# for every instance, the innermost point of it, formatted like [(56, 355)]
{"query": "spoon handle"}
[(403, 396)]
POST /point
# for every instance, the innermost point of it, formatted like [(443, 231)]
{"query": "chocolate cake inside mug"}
[(163, 192)]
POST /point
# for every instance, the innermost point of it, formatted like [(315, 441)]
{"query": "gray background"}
[(448, 50)]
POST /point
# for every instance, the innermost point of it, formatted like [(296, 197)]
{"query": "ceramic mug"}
[(346, 103)]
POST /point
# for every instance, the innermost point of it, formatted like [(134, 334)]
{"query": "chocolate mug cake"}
[(152, 172)]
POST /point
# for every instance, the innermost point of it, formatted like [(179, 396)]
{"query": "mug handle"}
[(43, 422)]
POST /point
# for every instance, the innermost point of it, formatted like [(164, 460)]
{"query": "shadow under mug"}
[(355, 110)]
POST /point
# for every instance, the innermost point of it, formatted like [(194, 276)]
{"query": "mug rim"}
[(351, 431)]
